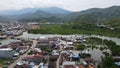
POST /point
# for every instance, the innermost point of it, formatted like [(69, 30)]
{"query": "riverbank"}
[(36, 36), (7, 41)]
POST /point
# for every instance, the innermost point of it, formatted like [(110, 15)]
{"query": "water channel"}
[(35, 36)]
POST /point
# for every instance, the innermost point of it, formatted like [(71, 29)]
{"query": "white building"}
[(69, 64), (6, 53)]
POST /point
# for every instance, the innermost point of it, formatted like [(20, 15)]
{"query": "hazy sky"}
[(73, 5)]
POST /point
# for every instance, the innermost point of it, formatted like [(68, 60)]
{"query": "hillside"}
[(92, 15), (60, 15), (88, 16), (34, 13)]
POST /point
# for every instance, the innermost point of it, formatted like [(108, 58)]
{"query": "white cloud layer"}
[(73, 5)]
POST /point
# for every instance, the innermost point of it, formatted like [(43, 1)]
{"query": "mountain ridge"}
[(89, 15), (53, 10)]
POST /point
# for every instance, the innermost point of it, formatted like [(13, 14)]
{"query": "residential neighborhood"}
[(56, 52), (52, 51)]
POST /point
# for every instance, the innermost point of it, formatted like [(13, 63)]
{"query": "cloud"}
[(74, 5)]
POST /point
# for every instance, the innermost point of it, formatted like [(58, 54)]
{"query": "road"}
[(58, 62), (24, 55)]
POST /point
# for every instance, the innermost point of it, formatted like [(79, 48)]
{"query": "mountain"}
[(92, 15), (18, 12), (57, 14), (37, 14), (55, 10), (40, 16), (52, 10), (46, 13), (30, 13)]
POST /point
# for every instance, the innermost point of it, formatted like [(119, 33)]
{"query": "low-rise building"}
[(69, 64), (22, 49), (34, 58), (6, 53)]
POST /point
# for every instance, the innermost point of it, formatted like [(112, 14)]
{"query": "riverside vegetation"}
[(76, 28)]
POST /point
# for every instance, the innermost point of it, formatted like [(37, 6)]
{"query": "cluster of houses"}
[(31, 61), (14, 49), (33, 25), (11, 29), (70, 57), (105, 26), (57, 52)]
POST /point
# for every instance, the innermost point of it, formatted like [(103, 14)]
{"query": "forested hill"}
[(89, 16), (95, 14)]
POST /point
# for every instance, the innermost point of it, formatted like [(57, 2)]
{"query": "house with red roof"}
[(34, 58)]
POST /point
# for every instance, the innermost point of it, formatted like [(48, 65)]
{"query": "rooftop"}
[(5, 49), (68, 63)]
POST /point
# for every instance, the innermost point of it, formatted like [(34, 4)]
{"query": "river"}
[(35, 36), (7, 41)]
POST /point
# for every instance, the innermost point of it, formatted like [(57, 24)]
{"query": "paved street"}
[(58, 61)]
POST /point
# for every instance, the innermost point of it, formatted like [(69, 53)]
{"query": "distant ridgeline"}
[(42, 15)]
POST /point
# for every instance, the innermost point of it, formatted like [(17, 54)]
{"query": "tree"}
[(108, 63), (80, 47)]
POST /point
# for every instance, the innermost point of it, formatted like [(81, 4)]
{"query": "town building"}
[(6, 53)]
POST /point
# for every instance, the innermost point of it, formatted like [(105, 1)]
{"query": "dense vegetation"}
[(75, 28), (108, 62), (94, 41), (80, 47), (52, 19), (113, 47)]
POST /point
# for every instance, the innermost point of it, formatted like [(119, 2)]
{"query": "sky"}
[(72, 5)]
